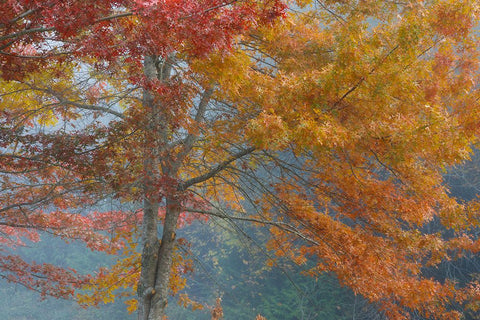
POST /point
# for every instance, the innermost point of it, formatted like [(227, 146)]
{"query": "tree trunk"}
[(157, 256), (165, 259), (156, 266)]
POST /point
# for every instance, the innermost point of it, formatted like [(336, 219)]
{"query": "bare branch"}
[(279, 224), (213, 171)]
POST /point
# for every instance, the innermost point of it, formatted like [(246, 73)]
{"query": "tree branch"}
[(213, 171), (282, 225), (362, 79), (24, 32), (192, 138), (92, 107)]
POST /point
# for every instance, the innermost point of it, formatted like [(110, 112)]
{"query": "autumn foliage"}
[(335, 120)]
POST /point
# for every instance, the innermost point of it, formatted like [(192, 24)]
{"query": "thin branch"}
[(92, 107), (208, 10), (282, 225), (24, 32), (63, 101), (22, 15), (115, 16), (338, 17), (362, 79), (40, 56), (213, 171)]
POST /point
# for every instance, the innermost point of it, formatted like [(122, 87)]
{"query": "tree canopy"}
[(331, 122)]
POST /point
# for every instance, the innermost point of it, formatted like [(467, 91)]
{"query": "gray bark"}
[(165, 259), (157, 256)]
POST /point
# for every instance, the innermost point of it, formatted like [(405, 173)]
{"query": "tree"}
[(375, 100), (335, 125)]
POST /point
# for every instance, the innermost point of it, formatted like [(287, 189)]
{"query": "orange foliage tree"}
[(336, 123), (375, 99)]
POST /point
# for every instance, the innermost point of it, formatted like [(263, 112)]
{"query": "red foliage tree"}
[(134, 154)]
